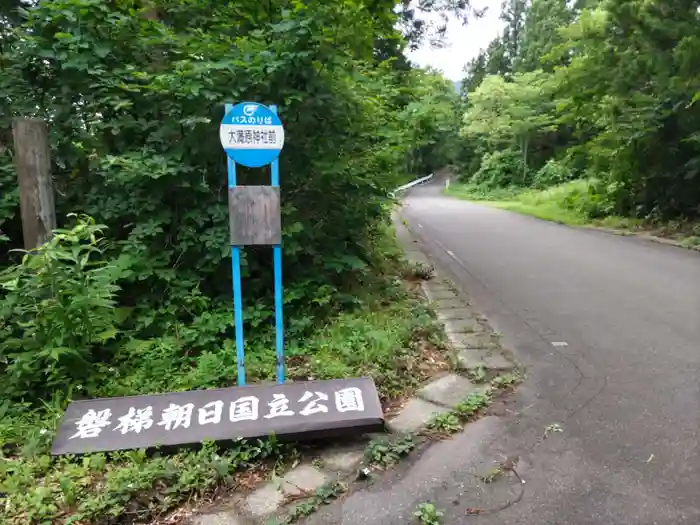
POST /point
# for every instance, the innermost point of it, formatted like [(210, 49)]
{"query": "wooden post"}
[(33, 161)]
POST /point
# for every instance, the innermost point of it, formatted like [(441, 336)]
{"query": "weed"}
[(551, 429), (446, 423), (419, 270), (383, 453), (473, 403), (453, 421), (428, 514), (478, 374), (691, 242), (376, 341), (58, 311), (492, 475), (507, 465), (322, 496), (505, 380)]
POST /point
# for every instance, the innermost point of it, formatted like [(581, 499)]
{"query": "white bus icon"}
[(249, 110)]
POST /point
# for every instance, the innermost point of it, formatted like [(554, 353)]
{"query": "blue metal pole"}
[(238, 313), (279, 322), (236, 273), (277, 260)]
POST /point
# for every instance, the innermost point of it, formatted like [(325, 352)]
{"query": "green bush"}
[(552, 173), (500, 169), (57, 313)]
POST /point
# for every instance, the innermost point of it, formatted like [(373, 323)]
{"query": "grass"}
[(556, 204), (572, 204), (381, 341), (383, 337), (548, 212)]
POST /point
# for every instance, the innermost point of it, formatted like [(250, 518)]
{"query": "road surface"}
[(608, 328)]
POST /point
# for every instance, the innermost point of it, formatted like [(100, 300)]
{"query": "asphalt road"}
[(624, 389)]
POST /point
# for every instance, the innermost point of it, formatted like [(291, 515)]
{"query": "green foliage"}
[(587, 198), (383, 452), (482, 193), (129, 97), (617, 101), (542, 28), (513, 15), (473, 403), (583, 198), (420, 271), (552, 173), (129, 149), (9, 198), (58, 313), (575, 203), (432, 123), (428, 514), (500, 111), (505, 381), (447, 423), (378, 339), (477, 374), (511, 113), (502, 168)]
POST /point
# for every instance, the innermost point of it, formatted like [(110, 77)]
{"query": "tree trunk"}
[(525, 144)]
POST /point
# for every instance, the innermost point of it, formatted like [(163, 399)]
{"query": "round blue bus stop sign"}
[(251, 134)]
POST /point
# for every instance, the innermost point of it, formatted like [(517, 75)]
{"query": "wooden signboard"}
[(291, 410), (254, 215)]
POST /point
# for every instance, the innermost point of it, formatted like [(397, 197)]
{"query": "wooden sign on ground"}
[(292, 410)]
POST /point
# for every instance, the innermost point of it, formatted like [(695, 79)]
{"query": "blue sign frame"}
[(254, 151), (251, 134)]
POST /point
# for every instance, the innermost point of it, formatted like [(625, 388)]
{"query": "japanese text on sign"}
[(242, 119), (251, 136), (295, 409), (245, 408)]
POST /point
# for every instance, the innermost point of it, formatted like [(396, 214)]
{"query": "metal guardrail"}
[(411, 184)]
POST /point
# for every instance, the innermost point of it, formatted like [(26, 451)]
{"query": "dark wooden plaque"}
[(254, 215), (291, 410)]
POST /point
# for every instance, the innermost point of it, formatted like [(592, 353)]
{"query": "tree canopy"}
[(620, 104)]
